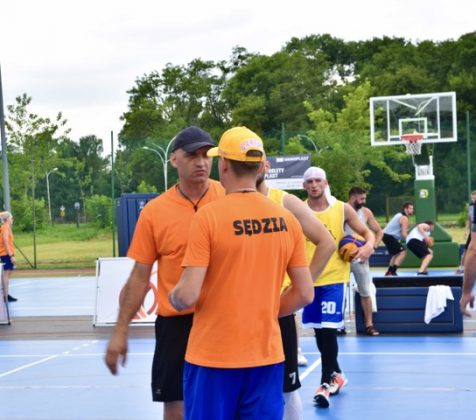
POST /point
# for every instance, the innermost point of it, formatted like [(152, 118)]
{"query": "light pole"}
[(305, 137), (48, 192), (163, 155)]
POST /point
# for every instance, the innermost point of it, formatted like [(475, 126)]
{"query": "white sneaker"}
[(302, 361)]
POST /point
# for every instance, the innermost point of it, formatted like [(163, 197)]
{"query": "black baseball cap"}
[(191, 139)]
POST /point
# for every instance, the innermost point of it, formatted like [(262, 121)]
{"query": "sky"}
[(82, 57)]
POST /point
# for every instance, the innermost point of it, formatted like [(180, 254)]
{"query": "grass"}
[(63, 246)]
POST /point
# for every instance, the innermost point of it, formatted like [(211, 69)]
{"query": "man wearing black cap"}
[(161, 235)]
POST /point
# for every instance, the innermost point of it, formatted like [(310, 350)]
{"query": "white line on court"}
[(310, 369), (381, 353), (68, 354), (9, 372), (45, 359)]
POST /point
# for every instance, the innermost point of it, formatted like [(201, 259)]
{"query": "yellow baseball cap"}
[(235, 144)]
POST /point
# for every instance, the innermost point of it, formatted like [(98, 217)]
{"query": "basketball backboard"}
[(432, 115)]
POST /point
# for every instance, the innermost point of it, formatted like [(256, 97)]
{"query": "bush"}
[(23, 213), (99, 210)]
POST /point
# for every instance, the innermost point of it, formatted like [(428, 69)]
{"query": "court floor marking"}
[(46, 359), (310, 369)]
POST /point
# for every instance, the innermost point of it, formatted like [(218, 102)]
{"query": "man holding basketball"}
[(361, 270), (419, 242), (326, 313)]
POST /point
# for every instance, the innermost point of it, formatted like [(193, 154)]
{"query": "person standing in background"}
[(7, 251), (361, 270), (467, 231)]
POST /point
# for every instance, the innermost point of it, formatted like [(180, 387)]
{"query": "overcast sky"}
[(81, 57)]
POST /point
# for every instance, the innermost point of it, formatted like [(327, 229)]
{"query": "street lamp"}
[(163, 154), (48, 192), (305, 137)]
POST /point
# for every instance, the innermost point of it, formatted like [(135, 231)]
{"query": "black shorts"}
[(419, 248), (171, 335), (393, 245), (290, 346)]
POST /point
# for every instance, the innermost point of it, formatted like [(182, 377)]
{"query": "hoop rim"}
[(412, 138)]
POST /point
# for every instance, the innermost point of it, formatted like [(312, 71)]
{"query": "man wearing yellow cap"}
[(239, 249)]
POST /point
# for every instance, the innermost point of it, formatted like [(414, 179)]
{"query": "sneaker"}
[(321, 399), (460, 270), (338, 381), (302, 361), (422, 273), (390, 273), (10, 298), (342, 331)]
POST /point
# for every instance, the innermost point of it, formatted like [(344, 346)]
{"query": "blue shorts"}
[(327, 309), (244, 393), (7, 262)]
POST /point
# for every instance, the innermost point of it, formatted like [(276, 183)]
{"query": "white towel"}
[(373, 296), (436, 301)]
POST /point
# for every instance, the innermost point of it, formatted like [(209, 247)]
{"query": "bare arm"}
[(352, 219), (374, 226), (185, 294), (299, 294), (467, 296), (315, 231), (404, 226), (132, 297)]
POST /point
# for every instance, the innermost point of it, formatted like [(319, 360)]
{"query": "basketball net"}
[(413, 143)]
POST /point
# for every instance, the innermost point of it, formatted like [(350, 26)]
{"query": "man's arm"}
[(467, 296), (374, 226), (315, 231), (299, 294), (404, 226), (185, 294), (352, 219), (132, 297)]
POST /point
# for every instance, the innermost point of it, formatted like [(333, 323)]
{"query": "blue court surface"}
[(390, 377)]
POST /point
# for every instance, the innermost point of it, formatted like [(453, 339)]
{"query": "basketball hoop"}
[(413, 143)]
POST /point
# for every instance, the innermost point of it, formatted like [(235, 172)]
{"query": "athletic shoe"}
[(338, 381), (10, 298), (460, 270), (341, 331), (422, 273), (302, 361), (321, 399), (390, 274)]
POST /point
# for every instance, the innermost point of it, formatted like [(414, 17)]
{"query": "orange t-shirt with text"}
[(247, 242), (3, 249), (161, 234)]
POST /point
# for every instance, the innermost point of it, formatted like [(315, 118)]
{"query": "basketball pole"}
[(5, 176)]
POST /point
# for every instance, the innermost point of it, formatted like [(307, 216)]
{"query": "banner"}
[(286, 171), (111, 276)]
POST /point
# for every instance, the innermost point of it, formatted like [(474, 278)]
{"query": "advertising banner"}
[(286, 171)]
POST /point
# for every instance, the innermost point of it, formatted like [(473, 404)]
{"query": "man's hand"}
[(116, 351), (466, 298)]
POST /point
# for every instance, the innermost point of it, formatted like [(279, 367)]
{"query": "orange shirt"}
[(161, 234), (11, 247), (247, 242)]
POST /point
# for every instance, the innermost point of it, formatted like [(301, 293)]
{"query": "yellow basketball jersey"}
[(337, 270)]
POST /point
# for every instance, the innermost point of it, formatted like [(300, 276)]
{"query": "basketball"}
[(430, 242), (348, 245)]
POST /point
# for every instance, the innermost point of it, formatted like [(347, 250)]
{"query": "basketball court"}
[(51, 365)]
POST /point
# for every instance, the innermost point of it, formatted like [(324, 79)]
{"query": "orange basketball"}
[(430, 242)]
